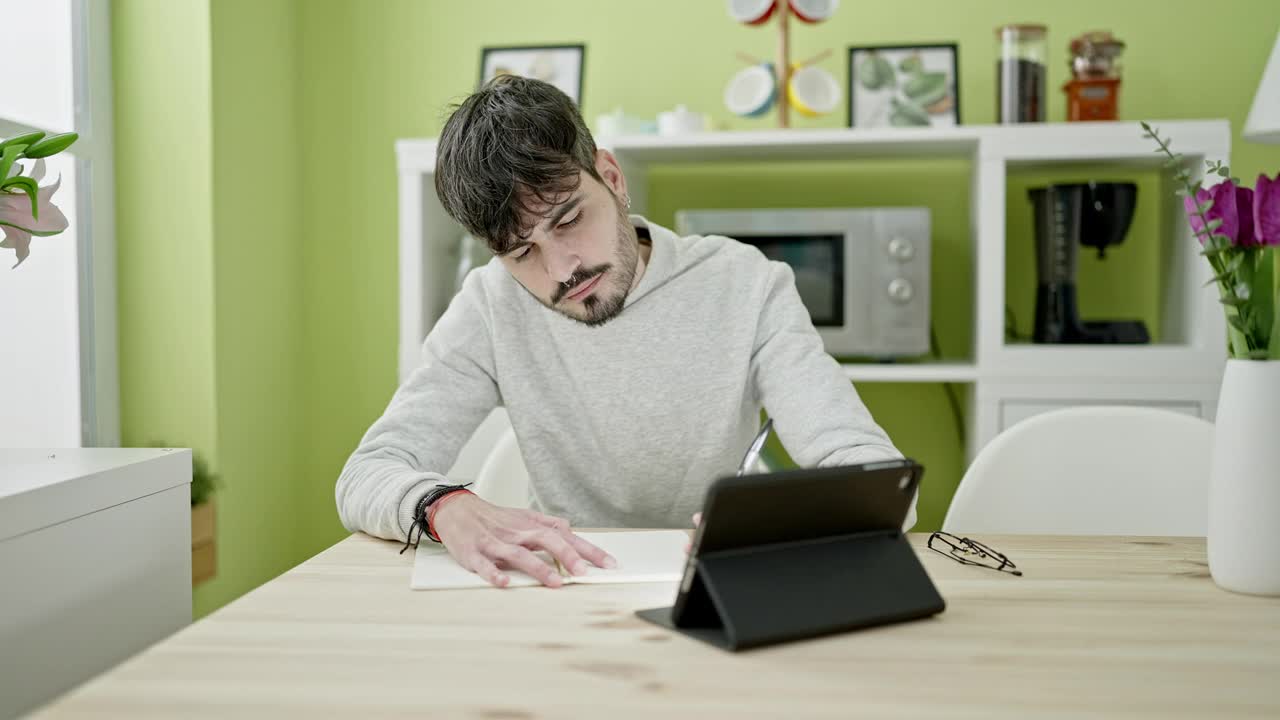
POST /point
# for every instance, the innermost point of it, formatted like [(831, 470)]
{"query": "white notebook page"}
[(643, 556)]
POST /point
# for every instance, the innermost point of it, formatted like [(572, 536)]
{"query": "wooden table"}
[(1121, 627)]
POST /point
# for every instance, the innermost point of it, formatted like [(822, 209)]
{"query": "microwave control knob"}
[(900, 290), (901, 249)]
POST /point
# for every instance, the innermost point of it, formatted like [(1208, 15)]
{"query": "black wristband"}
[(420, 513)]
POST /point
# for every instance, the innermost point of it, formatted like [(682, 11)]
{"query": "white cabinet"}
[(1000, 404), (95, 563), (1006, 381)]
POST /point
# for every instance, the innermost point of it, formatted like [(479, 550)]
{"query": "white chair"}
[(503, 479), (1090, 471)]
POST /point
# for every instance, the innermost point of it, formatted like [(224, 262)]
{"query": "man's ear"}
[(610, 172)]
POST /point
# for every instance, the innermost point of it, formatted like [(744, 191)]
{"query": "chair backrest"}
[(1090, 471), (503, 479)]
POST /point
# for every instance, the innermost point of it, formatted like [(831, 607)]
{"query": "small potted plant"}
[(1239, 232), (203, 538), (203, 535)]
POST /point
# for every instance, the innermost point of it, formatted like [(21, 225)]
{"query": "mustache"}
[(580, 277)]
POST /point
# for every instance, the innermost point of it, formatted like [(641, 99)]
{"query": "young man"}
[(633, 363)]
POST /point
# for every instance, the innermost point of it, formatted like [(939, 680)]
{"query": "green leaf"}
[(926, 88), (1235, 322), (52, 145), (1263, 293), (1214, 246), (1241, 265), (875, 72), (1231, 300), (1223, 172), (906, 113), (1274, 338), (8, 157), (1214, 224), (26, 139), (28, 186)]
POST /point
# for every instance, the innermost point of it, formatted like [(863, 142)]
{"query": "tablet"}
[(795, 533)]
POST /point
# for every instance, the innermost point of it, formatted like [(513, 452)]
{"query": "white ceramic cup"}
[(681, 121)]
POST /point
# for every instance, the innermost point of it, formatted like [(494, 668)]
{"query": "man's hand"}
[(487, 539)]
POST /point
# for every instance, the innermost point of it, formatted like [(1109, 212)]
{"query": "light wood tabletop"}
[(1116, 627)]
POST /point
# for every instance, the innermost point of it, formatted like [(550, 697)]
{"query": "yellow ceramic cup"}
[(812, 91)]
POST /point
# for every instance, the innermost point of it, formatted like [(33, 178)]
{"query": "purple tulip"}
[(1233, 205), (1266, 211)]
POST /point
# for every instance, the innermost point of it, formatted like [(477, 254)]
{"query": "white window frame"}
[(95, 211)]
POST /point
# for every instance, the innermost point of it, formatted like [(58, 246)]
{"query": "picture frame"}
[(560, 65), (904, 85)]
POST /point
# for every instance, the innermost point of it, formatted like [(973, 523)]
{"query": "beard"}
[(607, 299)]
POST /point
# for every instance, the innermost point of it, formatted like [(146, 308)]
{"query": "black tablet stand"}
[(754, 596)]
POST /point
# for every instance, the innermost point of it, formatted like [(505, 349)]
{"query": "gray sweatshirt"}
[(628, 423)]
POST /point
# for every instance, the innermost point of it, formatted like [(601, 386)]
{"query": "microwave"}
[(863, 273)]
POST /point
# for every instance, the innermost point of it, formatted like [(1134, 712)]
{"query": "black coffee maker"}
[(1093, 214)]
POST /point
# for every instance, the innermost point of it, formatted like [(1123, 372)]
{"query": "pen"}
[(753, 452)]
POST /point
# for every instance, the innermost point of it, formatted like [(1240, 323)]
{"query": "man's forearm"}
[(376, 494)]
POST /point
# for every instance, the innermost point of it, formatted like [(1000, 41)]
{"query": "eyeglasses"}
[(971, 552)]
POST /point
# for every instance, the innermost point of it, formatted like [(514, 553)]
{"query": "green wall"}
[(307, 98), (210, 271), (164, 224), (258, 286)]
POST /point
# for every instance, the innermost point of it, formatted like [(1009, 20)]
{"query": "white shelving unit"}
[(1007, 382)]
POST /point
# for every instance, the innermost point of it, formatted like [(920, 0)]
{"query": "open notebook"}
[(643, 556)]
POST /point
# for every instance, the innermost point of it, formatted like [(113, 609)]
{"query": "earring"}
[(626, 199)]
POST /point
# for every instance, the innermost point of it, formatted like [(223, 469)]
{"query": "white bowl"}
[(751, 91)]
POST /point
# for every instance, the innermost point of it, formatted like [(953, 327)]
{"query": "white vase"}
[(1244, 487)]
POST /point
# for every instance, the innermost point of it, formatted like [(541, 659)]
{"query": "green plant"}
[(203, 482)]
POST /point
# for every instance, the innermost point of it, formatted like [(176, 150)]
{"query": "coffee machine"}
[(1092, 214)]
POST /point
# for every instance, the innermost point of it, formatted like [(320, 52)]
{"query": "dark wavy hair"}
[(508, 152)]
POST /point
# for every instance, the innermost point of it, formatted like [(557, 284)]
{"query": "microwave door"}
[(818, 264)]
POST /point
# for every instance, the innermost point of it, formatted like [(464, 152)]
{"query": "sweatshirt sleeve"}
[(408, 449), (815, 409)]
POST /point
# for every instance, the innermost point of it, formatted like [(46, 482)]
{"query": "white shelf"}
[(911, 372), (796, 145), (1016, 144)]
